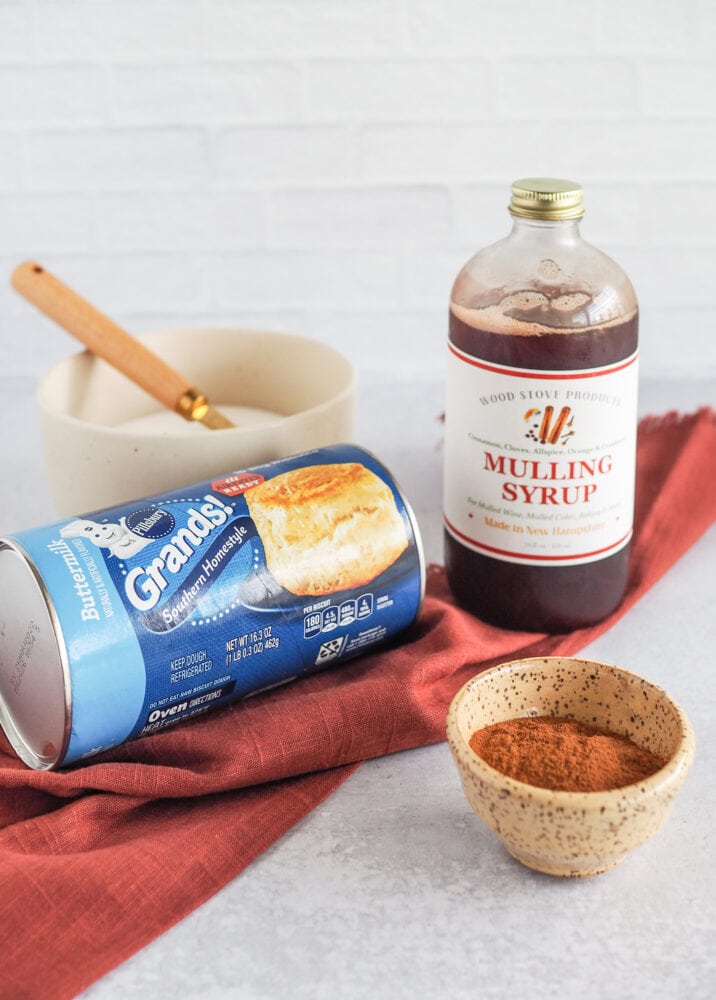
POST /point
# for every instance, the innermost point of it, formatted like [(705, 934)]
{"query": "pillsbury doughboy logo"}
[(126, 537), (150, 522), (117, 538)]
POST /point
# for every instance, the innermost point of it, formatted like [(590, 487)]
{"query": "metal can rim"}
[(32, 758)]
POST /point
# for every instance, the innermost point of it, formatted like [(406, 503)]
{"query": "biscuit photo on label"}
[(327, 528)]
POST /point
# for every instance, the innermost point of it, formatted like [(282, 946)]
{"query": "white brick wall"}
[(327, 165)]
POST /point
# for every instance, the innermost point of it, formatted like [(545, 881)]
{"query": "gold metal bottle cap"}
[(546, 198)]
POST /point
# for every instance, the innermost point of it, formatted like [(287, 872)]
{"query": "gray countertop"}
[(392, 888)]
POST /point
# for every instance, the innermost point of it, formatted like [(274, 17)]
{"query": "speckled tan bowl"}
[(570, 833)]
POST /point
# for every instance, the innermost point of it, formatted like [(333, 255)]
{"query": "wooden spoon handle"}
[(103, 337)]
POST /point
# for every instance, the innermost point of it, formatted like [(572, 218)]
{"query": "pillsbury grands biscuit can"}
[(123, 621)]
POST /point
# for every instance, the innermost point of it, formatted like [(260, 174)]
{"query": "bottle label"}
[(539, 465)]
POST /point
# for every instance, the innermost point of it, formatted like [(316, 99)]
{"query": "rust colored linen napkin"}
[(97, 861)]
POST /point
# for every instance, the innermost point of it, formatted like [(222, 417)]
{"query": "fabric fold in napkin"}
[(97, 861)]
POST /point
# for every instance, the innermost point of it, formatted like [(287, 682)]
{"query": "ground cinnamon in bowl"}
[(565, 797), (563, 755)]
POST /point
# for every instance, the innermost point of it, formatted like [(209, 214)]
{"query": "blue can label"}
[(173, 605)]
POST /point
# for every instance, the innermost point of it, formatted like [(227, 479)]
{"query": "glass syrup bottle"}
[(540, 425)]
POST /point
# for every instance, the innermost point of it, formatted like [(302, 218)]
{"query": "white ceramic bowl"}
[(106, 440)]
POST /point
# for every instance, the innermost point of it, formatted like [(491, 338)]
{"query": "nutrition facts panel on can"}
[(327, 616)]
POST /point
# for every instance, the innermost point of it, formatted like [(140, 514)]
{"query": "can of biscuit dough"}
[(118, 623)]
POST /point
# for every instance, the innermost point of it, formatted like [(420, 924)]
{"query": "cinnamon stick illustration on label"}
[(546, 421), (543, 431), (559, 424)]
